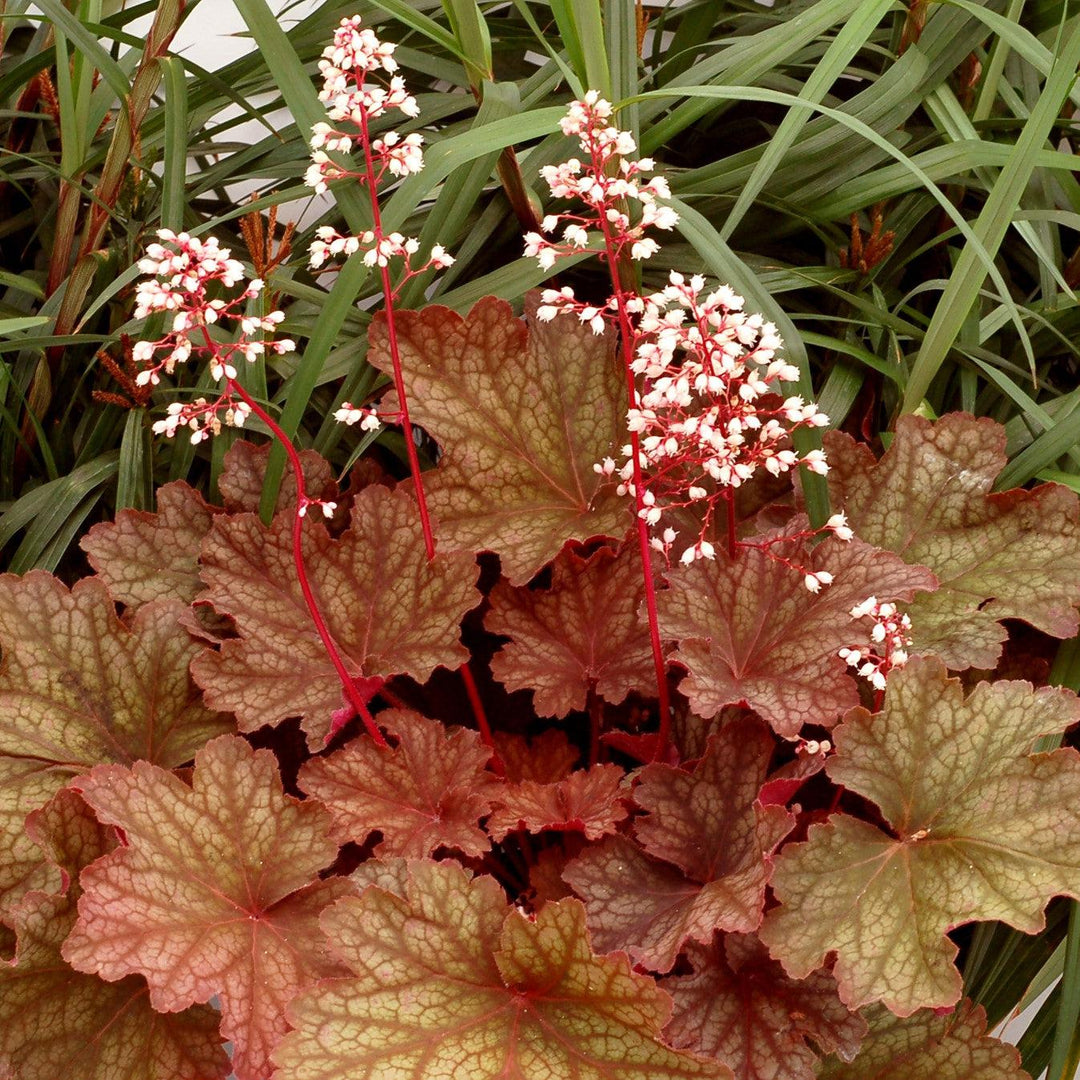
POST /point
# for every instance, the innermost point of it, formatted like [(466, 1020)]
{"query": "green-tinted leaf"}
[(739, 1007), (55, 1022), (707, 824), (1008, 555), (143, 556), (427, 792), (215, 891), (390, 611), (980, 830), (582, 633), (929, 1047), (523, 415), (449, 981), (80, 688), (750, 631)]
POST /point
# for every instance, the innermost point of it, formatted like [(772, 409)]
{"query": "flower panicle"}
[(889, 642), (189, 280), (711, 406), (351, 68)]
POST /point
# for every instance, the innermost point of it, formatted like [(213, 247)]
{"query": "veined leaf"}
[(215, 891), (450, 981), (57, 1022), (390, 611), (523, 414), (980, 831), (581, 633), (429, 791), (739, 1007), (749, 631), (927, 1046), (714, 839), (79, 688), (1005, 555)]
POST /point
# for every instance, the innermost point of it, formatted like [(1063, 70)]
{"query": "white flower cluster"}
[(185, 270), (602, 185), (712, 407), (355, 54), (890, 640), (350, 414)]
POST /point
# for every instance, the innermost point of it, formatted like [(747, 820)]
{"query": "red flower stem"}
[(732, 541), (391, 334), (596, 720), (626, 332), (481, 718), (302, 502)]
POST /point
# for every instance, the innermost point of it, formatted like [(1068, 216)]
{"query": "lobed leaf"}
[(450, 981), (1005, 555), (429, 791), (714, 840), (523, 411), (244, 472), (143, 556), (749, 632), (389, 610), (927, 1046), (980, 830), (545, 758), (582, 633), (215, 891), (56, 1022), (590, 801), (79, 688), (738, 1006)]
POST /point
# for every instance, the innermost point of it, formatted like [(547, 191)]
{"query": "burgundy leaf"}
[(738, 1006), (389, 610), (704, 866), (429, 791), (750, 632), (589, 801), (581, 633)]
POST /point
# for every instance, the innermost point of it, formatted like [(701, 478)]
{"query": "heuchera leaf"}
[(545, 758), (429, 791), (1014, 554), (388, 608), (582, 633), (929, 1047), (714, 840), (244, 467), (216, 891), (981, 830), (449, 981), (143, 556), (589, 801), (739, 1007), (55, 1022), (522, 415), (79, 688), (750, 632)]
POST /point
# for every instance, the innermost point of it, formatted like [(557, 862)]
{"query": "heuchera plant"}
[(616, 771)]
